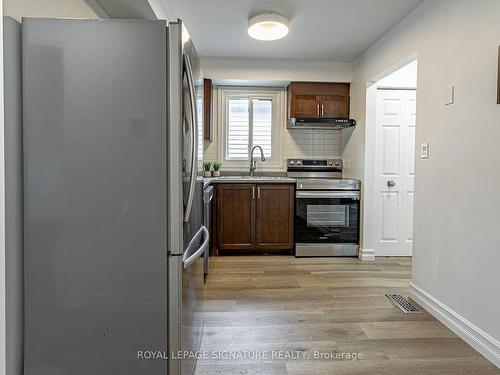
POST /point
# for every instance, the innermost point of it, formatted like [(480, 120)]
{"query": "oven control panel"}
[(312, 164)]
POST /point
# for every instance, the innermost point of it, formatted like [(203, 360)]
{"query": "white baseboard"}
[(367, 255), (486, 345), (394, 253)]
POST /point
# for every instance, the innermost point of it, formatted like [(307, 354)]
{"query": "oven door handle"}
[(328, 194)]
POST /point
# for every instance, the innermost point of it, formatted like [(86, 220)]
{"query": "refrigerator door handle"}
[(194, 128), (201, 250)]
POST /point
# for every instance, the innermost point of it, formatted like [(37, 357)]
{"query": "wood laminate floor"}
[(276, 306)]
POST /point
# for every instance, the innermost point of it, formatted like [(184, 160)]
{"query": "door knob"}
[(391, 183)]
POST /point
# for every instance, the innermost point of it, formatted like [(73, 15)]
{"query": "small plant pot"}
[(216, 173), (207, 174)]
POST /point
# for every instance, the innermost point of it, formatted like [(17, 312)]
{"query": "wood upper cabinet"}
[(207, 109), (334, 106), (236, 216), (317, 100), (255, 216), (305, 106), (274, 226)]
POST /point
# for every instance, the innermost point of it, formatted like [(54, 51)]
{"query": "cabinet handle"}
[(317, 110), (253, 192), (258, 192), (322, 110)]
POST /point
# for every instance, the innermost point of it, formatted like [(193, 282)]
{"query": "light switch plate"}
[(424, 150), (449, 95)]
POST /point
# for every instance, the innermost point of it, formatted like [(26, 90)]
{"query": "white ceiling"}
[(319, 29), (127, 9)]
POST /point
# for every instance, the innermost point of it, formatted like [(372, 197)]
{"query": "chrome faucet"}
[(253, 163)]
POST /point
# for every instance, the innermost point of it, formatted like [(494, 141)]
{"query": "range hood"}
[(321, 123)]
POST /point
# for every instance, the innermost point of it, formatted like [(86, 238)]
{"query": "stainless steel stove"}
[(327, 209)]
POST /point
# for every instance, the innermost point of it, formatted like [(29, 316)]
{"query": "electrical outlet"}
[(449, 95), (424, 150)]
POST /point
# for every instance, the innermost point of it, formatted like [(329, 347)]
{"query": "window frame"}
[(277, 96)]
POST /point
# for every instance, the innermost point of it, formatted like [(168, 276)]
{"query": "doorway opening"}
[(390, 161)]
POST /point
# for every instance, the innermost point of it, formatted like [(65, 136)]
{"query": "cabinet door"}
[(334, 106), (207, 109), (275, 214), (236, 216), (304, 106)]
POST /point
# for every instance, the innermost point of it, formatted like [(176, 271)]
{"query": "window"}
[(251, 117), (238, 127), (249, 123)]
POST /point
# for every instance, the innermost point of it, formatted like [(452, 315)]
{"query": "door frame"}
[(369, 216)]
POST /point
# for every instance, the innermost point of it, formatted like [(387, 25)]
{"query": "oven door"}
[(327, 223)]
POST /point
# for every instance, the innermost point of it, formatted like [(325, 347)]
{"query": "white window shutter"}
[(237, 129), (262, 124)]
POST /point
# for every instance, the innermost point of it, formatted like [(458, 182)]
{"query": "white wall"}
[(406, 77), (3, 367), (457, 205), (47, 8), (253, 69)]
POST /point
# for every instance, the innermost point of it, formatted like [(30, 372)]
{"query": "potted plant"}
[(206, 167), (217, 166)]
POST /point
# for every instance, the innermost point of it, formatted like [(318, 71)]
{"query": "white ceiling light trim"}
[(268, 26)]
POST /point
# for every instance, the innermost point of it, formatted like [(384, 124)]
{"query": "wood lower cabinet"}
[(255, 217), (274, 224), (236, 216)]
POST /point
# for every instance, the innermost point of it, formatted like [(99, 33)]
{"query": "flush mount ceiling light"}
[(268, 26)]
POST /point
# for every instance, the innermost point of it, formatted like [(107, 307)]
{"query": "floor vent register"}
[(402, 303)]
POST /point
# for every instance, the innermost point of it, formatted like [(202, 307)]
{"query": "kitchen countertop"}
[(249, 180)]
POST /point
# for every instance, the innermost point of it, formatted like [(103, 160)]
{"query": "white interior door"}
[(394, 171)]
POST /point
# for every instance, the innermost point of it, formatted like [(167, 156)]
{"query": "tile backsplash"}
[(210, 151), (312, 144), (297, 143)]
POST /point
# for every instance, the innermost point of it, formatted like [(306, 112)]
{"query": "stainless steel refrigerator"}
[(113, 207)]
